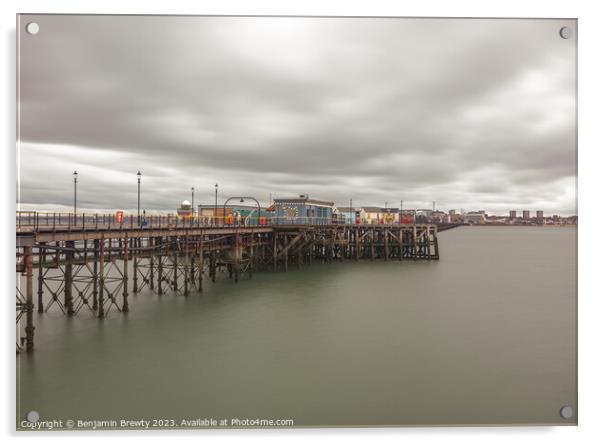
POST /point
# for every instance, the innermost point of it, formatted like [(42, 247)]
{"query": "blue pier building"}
[(303, 210)]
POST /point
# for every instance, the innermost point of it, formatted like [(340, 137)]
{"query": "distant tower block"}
[(526, 214), (540, 215), (512, 214)]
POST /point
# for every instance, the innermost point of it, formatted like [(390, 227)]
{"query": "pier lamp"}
[(215, 209), (139, 175), (242, 199), (74, 193), (351, 212), (400, 211), (192, 202)]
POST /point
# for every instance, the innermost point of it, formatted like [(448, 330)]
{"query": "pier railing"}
[(27, 221)]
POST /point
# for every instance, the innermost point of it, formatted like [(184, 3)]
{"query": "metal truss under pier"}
[(96, 270)]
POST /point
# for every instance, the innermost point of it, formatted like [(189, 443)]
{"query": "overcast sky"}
[(472, 114)]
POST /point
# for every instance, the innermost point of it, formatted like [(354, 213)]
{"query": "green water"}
[(486, 335)]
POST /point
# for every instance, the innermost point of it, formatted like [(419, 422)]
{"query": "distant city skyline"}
[(266, 203), (472, 114)]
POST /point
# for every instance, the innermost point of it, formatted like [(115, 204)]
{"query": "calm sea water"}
[(485, 335)]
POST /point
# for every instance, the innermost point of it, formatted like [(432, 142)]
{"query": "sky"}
[(471, 114)]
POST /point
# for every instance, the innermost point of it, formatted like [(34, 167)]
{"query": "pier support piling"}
[(134, 246), (126, 306), (201, 264), (101, 279), (95, 276), (41, 259), (29, 328), (66, 262), (70, 247)]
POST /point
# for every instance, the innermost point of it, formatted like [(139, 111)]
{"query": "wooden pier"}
[(95, 268)]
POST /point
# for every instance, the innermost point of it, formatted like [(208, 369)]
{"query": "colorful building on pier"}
[(303, 210), (185, 210), (352, 215), (234, 214)]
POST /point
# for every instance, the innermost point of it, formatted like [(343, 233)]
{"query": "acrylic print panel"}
[(295, 222)]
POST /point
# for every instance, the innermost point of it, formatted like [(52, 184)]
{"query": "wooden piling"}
[(95, 276), (237, 255), (386, 240), (252, 259), (201, 260), (175, 266), (285, 251), (151, 262), (160, 273), (41, 258), (101, 279), (275, 251), (212, 266), (68, 277), (125, 307), (134, 242), (186, 265), (29, 328)]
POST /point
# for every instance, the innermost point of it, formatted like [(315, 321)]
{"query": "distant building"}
[(303, 210), (407, 216), (526, 214), (390, 215), (439, 217), (209, 211), (494, 219), (455, 217), (539, 214), (347, 214), (381, 215), (373, 214), (351, 215), (423, 216), (512, 214), (475, 217)]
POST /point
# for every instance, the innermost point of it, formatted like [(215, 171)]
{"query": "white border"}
[(590, 75)]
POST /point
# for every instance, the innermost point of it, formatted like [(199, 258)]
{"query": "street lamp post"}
[(242, 199), (400, 211), (192, 203), (139, 175), (215, 210), (74, 193), (351, 212)]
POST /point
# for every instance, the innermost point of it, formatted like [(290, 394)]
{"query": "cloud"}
[(469, 113)]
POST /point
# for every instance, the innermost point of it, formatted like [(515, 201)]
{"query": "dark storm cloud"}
[(470, 113)]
